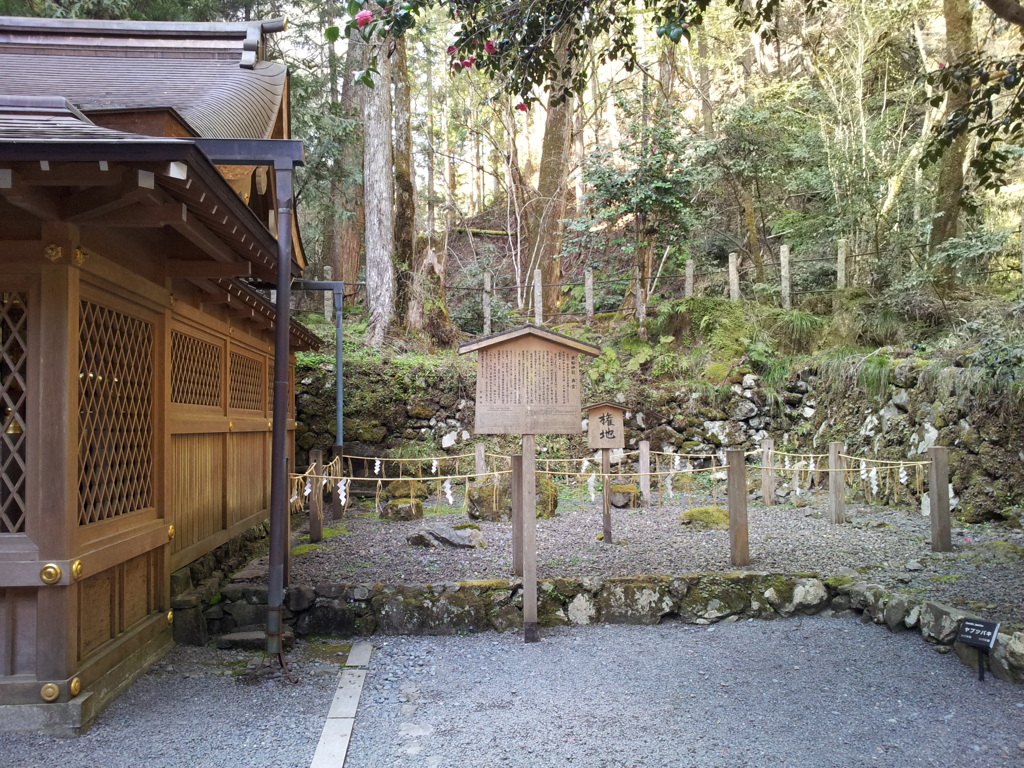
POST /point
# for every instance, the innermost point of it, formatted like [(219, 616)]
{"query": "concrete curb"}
[(333, 745)]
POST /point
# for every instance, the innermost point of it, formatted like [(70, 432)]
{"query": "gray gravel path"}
[(198, 708), (797, 693)]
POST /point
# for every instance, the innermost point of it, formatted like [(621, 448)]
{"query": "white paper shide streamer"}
[(447, 488), (874, 481), (903, 475), (309, 488), (433, 467), (343, 491), (376, 467), (592, 486)]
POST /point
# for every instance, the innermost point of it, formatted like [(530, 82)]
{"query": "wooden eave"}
[(187, 193), (605, 404), (529, 330)]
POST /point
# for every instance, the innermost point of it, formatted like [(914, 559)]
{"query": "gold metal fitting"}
[(76, 569), (79, 257), (53, 252), (170, 617), (231, 425), (76, 686), (49, 692), (50, 573), (170, 533)]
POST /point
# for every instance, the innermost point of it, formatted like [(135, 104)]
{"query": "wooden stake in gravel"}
[(531, 629), (938, 499), (768, 471), (316, 498), (739, 539), (836, 484), (645, 472)]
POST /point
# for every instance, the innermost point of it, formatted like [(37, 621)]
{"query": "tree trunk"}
[(378, 183), (348, 254), (405, 186), (949, 186)]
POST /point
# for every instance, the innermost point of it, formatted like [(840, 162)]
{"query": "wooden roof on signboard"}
[(209, 74), (605, 404), (529, 330)]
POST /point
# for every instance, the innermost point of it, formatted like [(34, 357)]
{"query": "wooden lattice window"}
[(13, 389), (246, 383), (195, 371), (115, 401)]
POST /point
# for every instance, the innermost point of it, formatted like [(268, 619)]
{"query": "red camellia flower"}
[(490, 47), (469, 61), (363, 18), (522, 106), (451, 49)]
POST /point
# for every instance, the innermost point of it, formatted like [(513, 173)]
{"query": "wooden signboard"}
[(605, 426), (528, 382)]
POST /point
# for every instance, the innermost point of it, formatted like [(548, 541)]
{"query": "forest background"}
[(445, 140)]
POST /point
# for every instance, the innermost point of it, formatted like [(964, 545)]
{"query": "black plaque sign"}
[(978, 633)]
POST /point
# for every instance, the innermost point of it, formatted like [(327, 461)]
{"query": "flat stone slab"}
[(252, 640)]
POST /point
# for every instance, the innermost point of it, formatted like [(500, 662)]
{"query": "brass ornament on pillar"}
[(170, 617), (53, 252), (49, 692), (76, 686), (170, 533), (76, 569), (50, 573)]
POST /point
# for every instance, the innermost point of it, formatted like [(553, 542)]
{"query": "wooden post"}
[(645, 471), (481, 461), (531, 630), (739, 541), (606, 499), (517, 515), (538, 297), (316, 498), (734, 277), (588, 291), (841, 264), (328, 297), (641, 296), (785, 277), (1022, 247), (487, 303), (938, 498), (836, 484), (691, 276), (768, 471), (337, 508)]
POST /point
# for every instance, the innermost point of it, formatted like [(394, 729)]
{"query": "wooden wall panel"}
[(197, 487), (247, 474), (137, 590), (17, 631), (97, 600)]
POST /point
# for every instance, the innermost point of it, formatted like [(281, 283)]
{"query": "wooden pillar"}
[(517, 515), (768, 471), (328, 297), (645, 471), (538, 297), (588, 292), (1022, 247), (481, 461), (641, 296), (841, 249), (785, 277), (739, 540), (606, 499), (488, 289), (316, 498), (734, 277), (836, 484), (531, 630), (691, 276), (938, 499)]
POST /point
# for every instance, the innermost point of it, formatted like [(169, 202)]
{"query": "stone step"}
[(252, 639)]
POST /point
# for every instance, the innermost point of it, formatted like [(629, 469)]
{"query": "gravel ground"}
[(802, 693), (980, 575), (200, 708)]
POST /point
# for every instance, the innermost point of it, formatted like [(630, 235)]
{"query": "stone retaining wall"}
[(473, 606)]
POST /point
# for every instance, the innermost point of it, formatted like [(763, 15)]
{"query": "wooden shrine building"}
[(136, 361)]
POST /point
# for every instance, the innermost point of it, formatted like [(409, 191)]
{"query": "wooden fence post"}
[(768, 471), (836, 484), (328, 297), (938, 499), (691, 276), (316, 498), (538, 297), (641, 296), (588, 292), (841, 264), (645, 472), (487, 303), (734, 277), (517, 514), (739, 540), (785, 277), (481, 461)]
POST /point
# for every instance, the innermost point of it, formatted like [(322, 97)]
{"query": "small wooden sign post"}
[(604, 432), (528, 383)]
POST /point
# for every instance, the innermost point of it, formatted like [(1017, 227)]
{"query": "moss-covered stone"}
[(406, 489), (635, 600), (490, 499), (623, 495), (402, 509), (706, 517), (712, 599)]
